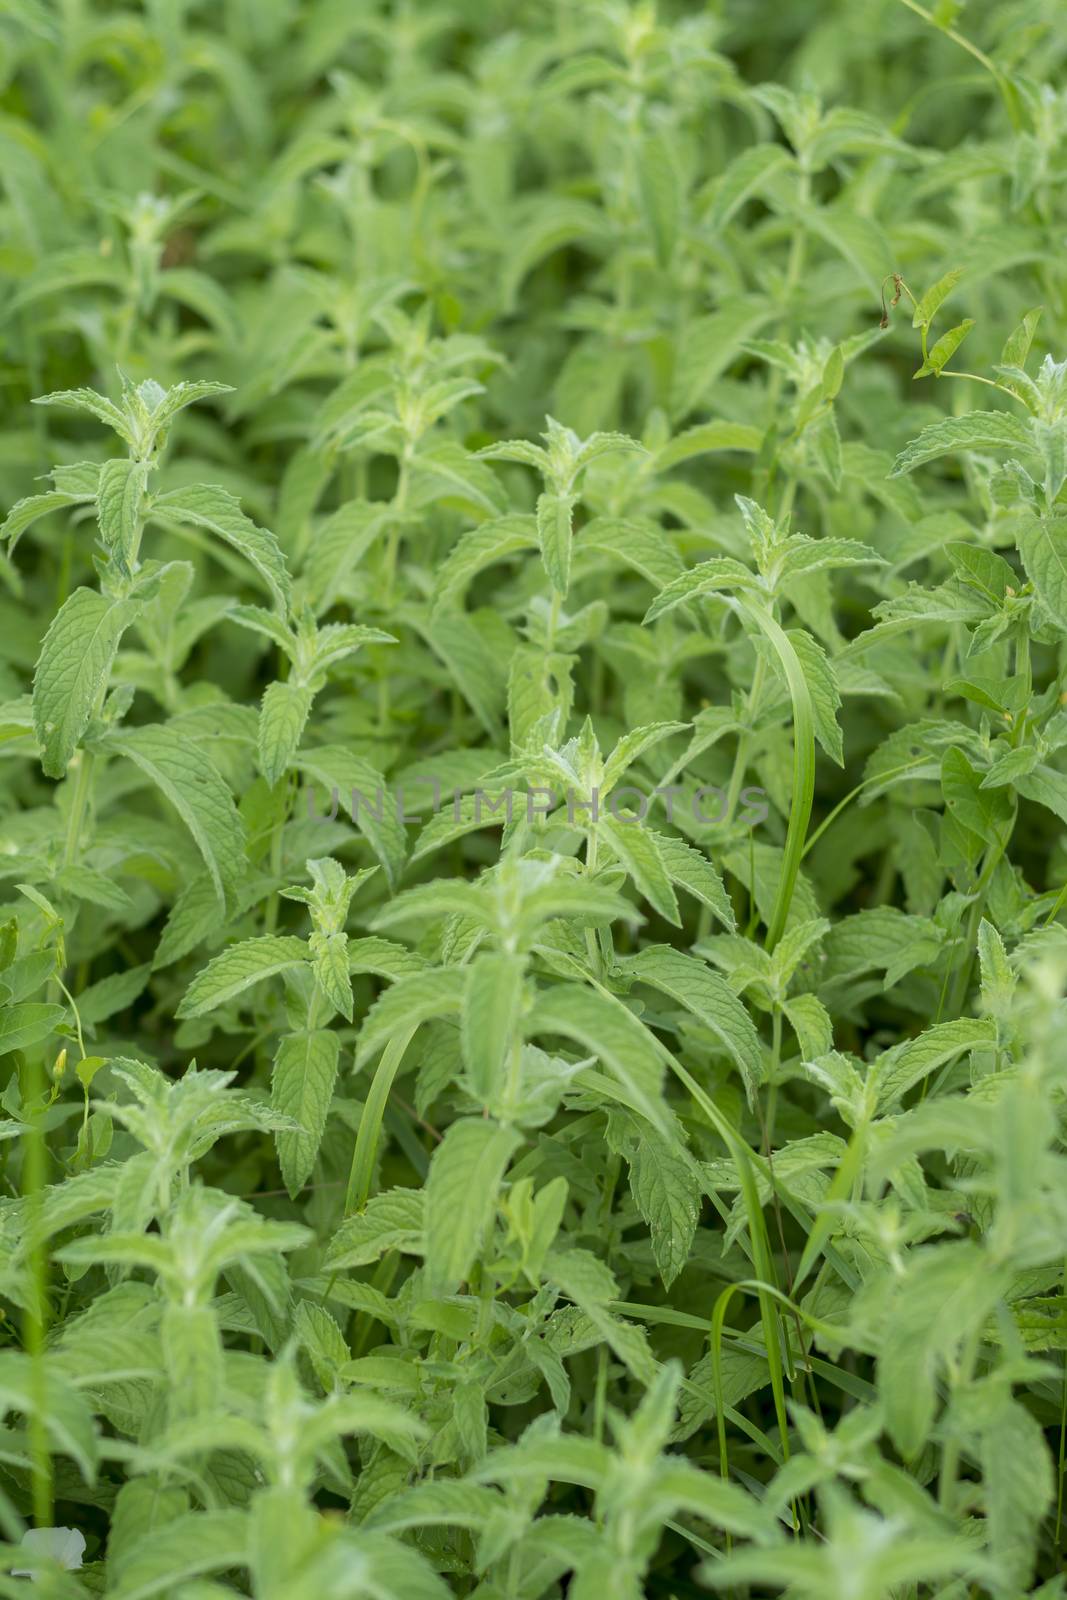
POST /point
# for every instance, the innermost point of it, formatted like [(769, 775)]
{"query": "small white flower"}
[(65, 1545)]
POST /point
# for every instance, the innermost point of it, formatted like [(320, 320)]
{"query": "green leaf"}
[(64, 1413), (329, 963), (709, 998), (419, 998), (928, 305), (236, 969), (192, 1354), (481, 547), (113, 994), (443, 1502), (302, 1083), (283, 714), (119, 501), (667, 1192), (944, 1294), (612, 1035), (944, 349), (218, 511), (660, 186), (180, 395), (448, 472), (707, 345), (187, 1548), (24, 1025), (395, 1220), (690, 870), (554, 514), (72, 672), (982, 569), (24, 513), (722, 574), (1046, 787), (363, 793), (492, 1005), (184, 774), (821, 679), (97, 405), (633, 543), (585, 1280), (338, 549), (1018, 1475), (465, 1175), (984, 811), (1042, 543), (976, 430), (902, 1067), (745, 176), (1017, 345), (707, 437), (633, 745), (638, 851)]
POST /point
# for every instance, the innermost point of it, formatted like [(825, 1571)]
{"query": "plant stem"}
[(950, 1458), (972, 50), (600, 1393), (744, 739), (879, 777), (747, 1165), (590, 868), (277, 841), (798, 248), (392, 554), (974, 377), (803, 792), (392, 548), (553, 622), (78, 803), (36, 1313), (370, 1122)]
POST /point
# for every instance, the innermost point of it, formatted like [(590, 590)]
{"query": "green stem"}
[(514, 1070), (392, 548), (78, 804), (849, 1168), (1061, 1459), (972, 50), (974, 377), (35, 1318), (370, 1122), (1023, 670), (744, 740), (803, 793), (553, 622), (1057, 906), (72, 1003), (784, 508), (746, 1165), (794, 271), (950, 1455), (590, 867), (878, 777), (382, 1279), (798, 248), (607, 1195), (600, 1393), (970, 939), (277, 841), (392, 555)]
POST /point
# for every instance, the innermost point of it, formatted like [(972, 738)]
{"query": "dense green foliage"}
[(654, 418)]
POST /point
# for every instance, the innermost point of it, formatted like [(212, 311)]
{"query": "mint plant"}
[(533, 599)]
